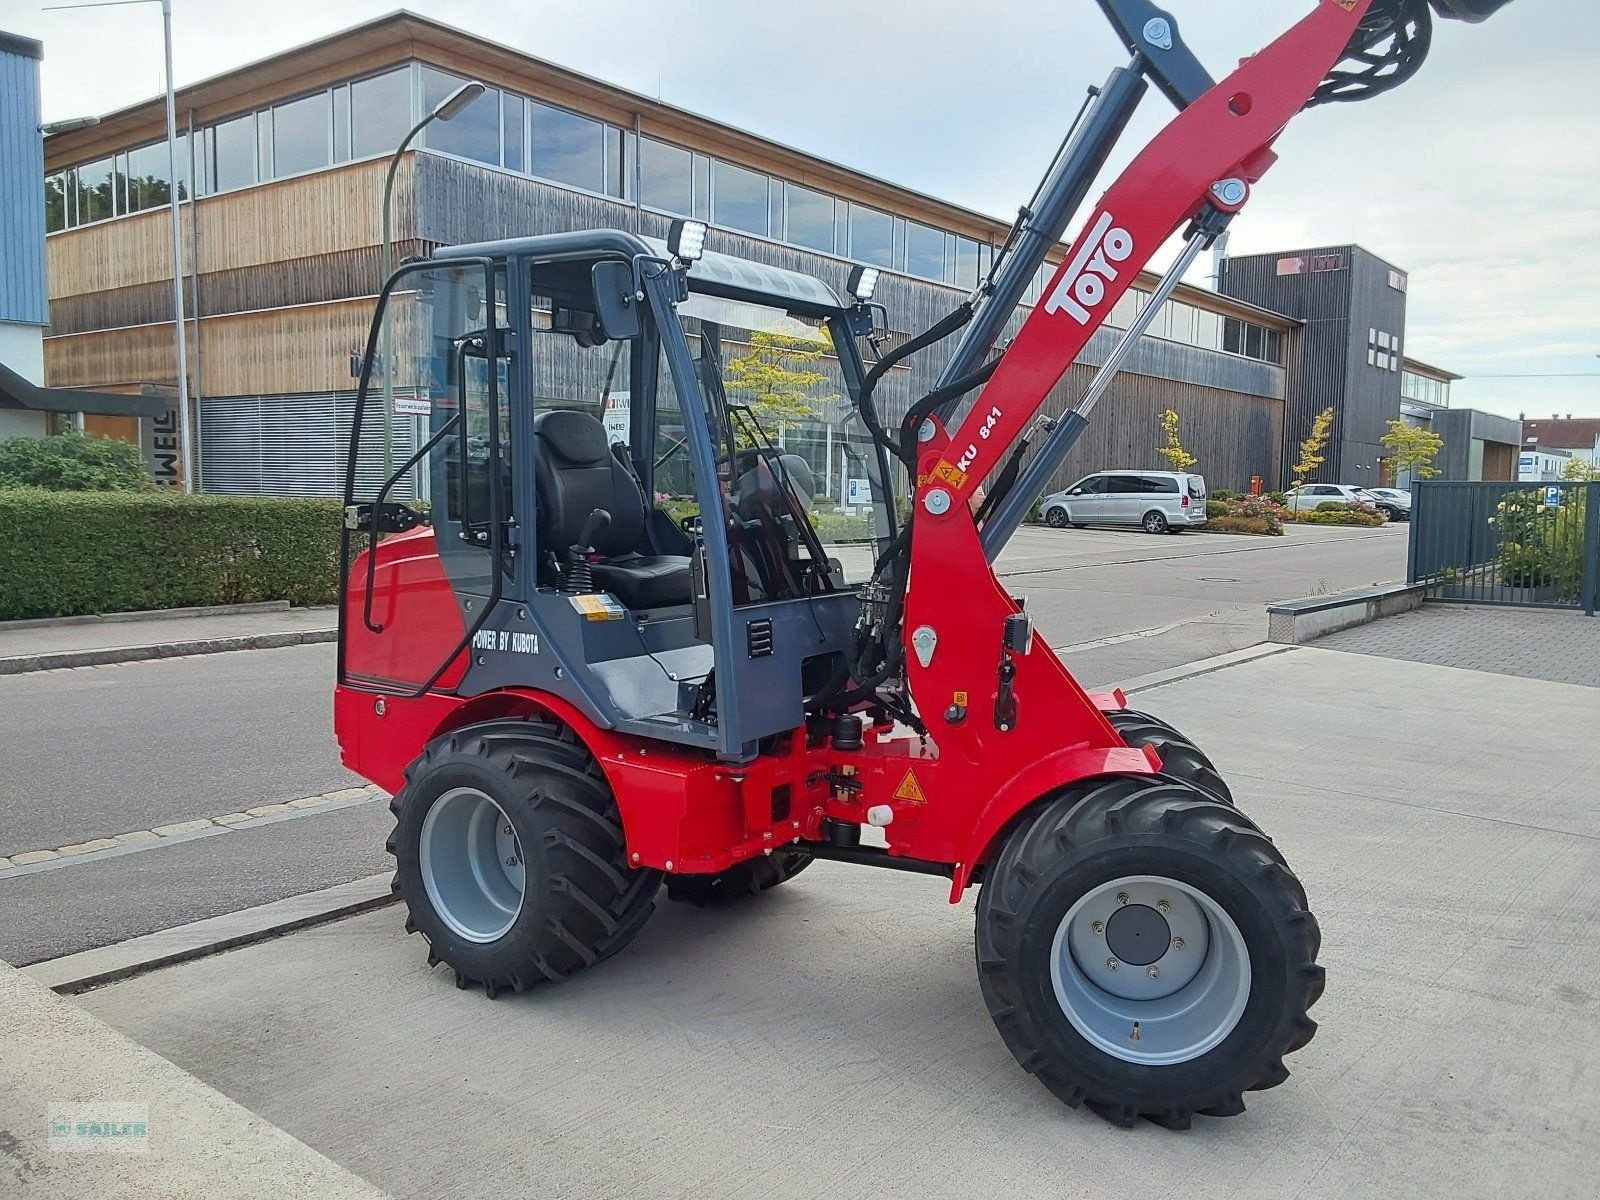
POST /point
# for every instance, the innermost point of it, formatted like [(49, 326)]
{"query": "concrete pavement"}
[(829, 1038), (61, 1061)]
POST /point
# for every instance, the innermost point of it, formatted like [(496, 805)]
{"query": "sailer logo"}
[(1084, 285)]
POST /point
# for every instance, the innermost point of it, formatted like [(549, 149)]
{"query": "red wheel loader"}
[(599, 635)]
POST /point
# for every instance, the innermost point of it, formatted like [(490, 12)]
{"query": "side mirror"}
[(614, 301)]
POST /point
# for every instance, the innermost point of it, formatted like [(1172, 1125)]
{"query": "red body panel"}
[(948, 797)]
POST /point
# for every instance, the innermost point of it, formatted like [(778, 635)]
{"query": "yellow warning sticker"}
[(959, 699), (950, 473), (1347, 5), (910, 790)]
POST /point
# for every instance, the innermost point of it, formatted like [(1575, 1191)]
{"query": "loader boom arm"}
[(1201, 166)]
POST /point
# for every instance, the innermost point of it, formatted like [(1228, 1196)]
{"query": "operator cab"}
[(606, 469)]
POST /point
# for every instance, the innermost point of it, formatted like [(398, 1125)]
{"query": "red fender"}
[(1038, 779)]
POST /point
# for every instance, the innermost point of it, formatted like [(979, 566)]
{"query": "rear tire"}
[(1154, 522), (1177, 1036), (742, 879), (1056, 518), (1180, 757), (510, 856)]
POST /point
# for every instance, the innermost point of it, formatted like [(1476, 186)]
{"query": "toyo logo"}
[(1083, 286)]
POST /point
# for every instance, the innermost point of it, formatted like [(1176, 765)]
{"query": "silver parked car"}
[(1156, 501), (1308, 497)]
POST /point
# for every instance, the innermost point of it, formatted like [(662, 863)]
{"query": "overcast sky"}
[(1481, 177)]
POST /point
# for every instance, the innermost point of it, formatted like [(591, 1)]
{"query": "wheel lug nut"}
[(512, 861), (1177, 943), (1122, 897), (1163, 906), (1111, 964), (1153, 971), (1098, 927)]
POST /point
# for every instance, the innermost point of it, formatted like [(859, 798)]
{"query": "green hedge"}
[(68, 553)]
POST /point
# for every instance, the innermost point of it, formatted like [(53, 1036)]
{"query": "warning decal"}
[(910, 790)]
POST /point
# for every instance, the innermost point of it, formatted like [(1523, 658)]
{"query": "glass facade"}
[(1425, 390), (367, 117)]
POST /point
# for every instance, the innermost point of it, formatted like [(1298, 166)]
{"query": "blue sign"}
[(1552, 495)]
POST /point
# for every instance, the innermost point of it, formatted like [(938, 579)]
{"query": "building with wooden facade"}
[(281, 225)]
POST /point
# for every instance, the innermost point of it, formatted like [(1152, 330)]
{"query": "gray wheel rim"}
[(1153, 522), (1181, 976), (1056, 518), (472, 866)]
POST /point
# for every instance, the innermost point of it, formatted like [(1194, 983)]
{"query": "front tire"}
[(1214, 951), (510, 856), (1154, 522), (1056, 518)]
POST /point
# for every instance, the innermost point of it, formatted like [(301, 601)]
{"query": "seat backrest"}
[(576, 473)]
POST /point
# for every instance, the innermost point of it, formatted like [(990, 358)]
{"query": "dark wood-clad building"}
[(280, 208)]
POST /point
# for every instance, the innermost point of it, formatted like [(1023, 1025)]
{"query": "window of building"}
[(966, 264), (1207, 329), (234, 145), (94, 187), (871, 236), (1255, 341), (56, 203), (619, 162), (924, 250), (380, 113), (474, 132), (147, 170), (514, 132), (664, 177), (341, 123), (808, 218), (739, 199), (702, 188), (300, 140), (566, 148)]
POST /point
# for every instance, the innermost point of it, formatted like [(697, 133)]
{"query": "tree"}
[(1172, 449), (1311, 449), (1578, 471), (1411, 448), (776, 380), (71, 462)]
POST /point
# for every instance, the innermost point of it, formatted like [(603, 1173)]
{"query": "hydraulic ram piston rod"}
[(1052, 452)]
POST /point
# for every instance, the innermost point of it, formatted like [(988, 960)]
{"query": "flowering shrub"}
[(1258, 508), (1541, 544)]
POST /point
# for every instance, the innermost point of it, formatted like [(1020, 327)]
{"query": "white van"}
[(1156, 501)]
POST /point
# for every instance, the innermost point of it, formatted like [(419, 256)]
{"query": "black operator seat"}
[(575, 473)]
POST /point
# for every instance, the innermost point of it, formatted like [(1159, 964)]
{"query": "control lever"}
[(579, 579)]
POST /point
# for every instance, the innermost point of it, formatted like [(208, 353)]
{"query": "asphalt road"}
[(100, 751)]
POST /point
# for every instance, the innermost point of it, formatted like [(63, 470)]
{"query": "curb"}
[(149, 614), (1203, 666), (57, 660), (74, 973)]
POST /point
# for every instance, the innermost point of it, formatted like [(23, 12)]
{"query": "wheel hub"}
[(472, 866), (1150, 970), (1138, 935)]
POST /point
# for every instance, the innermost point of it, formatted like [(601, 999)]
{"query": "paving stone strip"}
[(182, 831)]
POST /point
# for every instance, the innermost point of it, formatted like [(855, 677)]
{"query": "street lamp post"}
[(185, 449), (447, 109)]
